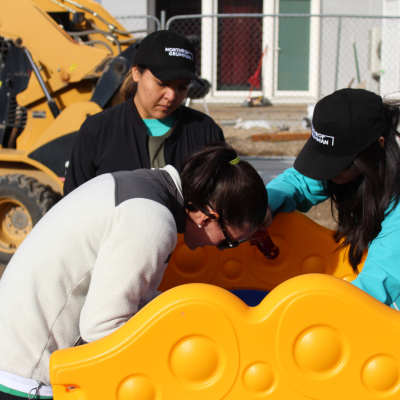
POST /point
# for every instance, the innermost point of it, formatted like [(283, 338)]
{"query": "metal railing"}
[(139, 25), (292, 58)]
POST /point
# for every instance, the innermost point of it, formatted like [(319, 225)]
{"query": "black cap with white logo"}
[(344, 124), (168, 55)]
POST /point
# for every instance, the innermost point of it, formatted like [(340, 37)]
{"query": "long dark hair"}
[(362, 204), (129, 86), (236, 192)]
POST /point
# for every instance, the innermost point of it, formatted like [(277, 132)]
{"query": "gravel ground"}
[(240, 139)]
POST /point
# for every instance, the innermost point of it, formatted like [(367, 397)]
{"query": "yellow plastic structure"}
[(313, 337), (305, 247)]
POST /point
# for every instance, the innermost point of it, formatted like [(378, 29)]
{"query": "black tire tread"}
[(43, 195)]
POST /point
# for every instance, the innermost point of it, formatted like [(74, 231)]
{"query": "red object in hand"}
[(265, 244)]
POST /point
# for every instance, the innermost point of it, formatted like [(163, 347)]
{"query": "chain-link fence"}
[(292, 58), (139, 25)]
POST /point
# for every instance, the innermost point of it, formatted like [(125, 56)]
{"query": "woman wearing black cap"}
[(353, 158), (151, 128)]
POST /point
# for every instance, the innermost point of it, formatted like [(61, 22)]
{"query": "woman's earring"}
[(199, 226)]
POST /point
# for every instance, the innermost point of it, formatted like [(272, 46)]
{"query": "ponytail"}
[(216, 176), (363, 204)]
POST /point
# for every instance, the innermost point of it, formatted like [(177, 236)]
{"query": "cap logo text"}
[(319, 137), (175, 52)]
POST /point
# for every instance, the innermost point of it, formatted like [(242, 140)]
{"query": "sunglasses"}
[(228, 243)]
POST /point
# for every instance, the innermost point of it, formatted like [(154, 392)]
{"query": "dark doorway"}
[(173, 8), (239, 44)]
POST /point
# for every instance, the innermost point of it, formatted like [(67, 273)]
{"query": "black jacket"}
[(116, 140)]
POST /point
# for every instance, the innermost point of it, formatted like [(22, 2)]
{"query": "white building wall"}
[(129, 8), (340, 72), (125, 7), (352, 7), (390, 62)]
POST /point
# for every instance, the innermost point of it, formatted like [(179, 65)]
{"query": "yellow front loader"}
[(60, 61)]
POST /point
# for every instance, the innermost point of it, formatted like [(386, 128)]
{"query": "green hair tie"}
[(235, 161)]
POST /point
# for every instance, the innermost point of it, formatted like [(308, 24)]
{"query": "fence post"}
[(338, 53), (163, 17)]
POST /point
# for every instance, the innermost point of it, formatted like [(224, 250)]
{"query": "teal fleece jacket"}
[(380, 276)]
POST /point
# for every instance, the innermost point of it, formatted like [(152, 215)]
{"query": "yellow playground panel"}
[(305, 247), (313, 337)]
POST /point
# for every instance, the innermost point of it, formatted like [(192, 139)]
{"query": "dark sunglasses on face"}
[(228, 243)]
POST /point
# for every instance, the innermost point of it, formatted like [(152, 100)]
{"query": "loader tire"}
[(23, 201)]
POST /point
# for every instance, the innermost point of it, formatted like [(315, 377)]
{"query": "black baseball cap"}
[(344, 124), (168, 55)]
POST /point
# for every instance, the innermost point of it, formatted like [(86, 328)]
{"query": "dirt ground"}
[(241, 140)]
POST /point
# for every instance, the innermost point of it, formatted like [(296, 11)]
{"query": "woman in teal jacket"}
[(353, 158)]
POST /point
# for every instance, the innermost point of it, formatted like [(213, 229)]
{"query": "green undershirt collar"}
[(159, 127)]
